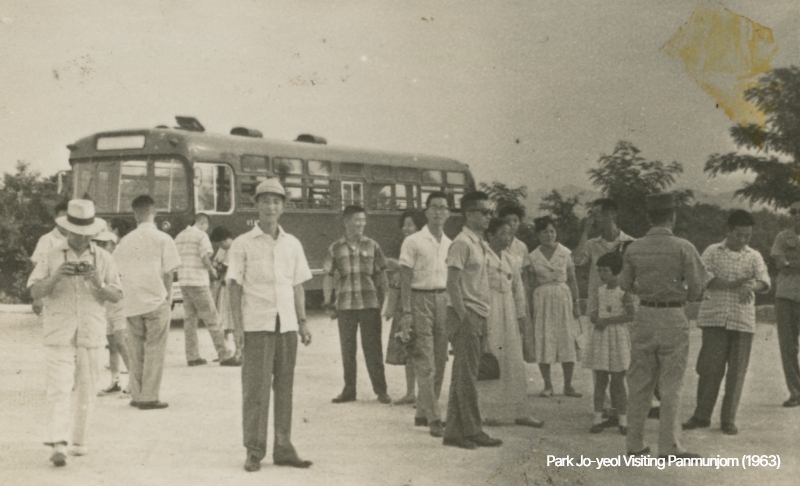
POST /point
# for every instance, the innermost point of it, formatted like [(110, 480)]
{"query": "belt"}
[(657, 304), (429, 291)]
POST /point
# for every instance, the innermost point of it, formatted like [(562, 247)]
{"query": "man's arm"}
[(300, 310), (454, 291)]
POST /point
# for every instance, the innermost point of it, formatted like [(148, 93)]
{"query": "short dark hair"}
[(606, 204), (541, 224), (434, 195), (509, 209), (660, 216), (740, 217), (612, 260), (61, 207), (351, 210), (121, 225), (199, 216), (495, 224), (220, 233), (470, 199), (417, 216), (142, 202)]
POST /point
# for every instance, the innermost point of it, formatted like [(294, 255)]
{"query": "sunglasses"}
[(484, 211), (794, 212)]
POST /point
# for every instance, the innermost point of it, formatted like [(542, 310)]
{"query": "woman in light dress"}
[(554, 305), (411, 221), (504, 400)]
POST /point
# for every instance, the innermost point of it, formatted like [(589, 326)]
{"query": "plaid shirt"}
[(358, 269), (721, 308), (193, 245)]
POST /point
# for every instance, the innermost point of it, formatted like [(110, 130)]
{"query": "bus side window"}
[(213, 191)]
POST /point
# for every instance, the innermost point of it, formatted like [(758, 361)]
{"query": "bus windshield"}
[(113, 184)]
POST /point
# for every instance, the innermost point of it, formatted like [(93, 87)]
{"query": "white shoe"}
[(78, 450)]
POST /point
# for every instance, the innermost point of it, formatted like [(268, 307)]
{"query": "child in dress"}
[(609, 350)]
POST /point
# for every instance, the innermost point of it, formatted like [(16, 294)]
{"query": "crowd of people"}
[(482, 297)]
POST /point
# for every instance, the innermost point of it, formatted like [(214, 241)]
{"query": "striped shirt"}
[(358, 269), (193, 244), (721, 308)]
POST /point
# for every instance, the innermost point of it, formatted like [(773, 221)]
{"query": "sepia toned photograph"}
[(400, 243)]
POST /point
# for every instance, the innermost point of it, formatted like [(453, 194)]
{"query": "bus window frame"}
[(233, 186)]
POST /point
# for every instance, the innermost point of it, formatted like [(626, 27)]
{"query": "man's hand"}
[(305, 334), (406, 327)]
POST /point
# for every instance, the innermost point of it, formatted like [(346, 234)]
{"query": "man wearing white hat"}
[(74, 280), (266, 272), (147, 258)]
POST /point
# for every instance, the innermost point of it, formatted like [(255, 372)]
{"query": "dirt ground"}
[(197, 440)]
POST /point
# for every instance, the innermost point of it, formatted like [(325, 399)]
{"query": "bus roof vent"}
[(246, 132), (308, 138), (189, 123)]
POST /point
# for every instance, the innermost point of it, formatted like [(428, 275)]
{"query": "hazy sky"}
[(530, 91)]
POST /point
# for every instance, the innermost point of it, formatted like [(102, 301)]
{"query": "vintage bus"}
[(187, 170)]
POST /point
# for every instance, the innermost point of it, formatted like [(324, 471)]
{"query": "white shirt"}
[(47, 242), (71, 314), (427, 258), (143, 257), (268, 270)]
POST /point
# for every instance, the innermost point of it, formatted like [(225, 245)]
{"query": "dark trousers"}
[(371, 344), (463, 416), (268, 361), (721, 348), (787, 315)]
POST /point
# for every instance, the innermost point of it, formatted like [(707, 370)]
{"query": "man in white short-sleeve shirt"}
[(423, 293), (266, 271), (146, 258)]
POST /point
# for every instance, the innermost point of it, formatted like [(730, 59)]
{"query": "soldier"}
[(665, 272)]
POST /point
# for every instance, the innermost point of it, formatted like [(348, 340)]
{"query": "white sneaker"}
[(78, 450)]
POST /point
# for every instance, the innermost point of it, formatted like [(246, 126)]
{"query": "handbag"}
[(489, 368)]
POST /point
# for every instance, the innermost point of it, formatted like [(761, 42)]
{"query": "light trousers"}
[(72, 376)]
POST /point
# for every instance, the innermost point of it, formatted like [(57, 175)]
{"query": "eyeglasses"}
[(484, 211), (794, 212)]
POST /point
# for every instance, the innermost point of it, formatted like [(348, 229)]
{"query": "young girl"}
[(609, 350)]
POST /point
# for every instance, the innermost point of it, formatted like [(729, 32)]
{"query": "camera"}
[(81, 268)]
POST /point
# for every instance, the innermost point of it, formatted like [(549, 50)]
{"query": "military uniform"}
[(665, 272)]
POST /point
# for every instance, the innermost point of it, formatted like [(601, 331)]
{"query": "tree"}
[(501, 194), (26, 212), (627, 177), (772, 151)]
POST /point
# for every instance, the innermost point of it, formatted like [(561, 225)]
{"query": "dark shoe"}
[(654, 413), (643, 452), (611, 422), (232, 361), (483, 440), (623, 430), (437, 429), (695, 423), (460, 442), (197, 362), (682, 455), (292, 462), (792, 402), (384, 398), (344, 399), (420, 422), (729, 429), (152, 405), (252, 464), (530, 422), (597, 428)]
